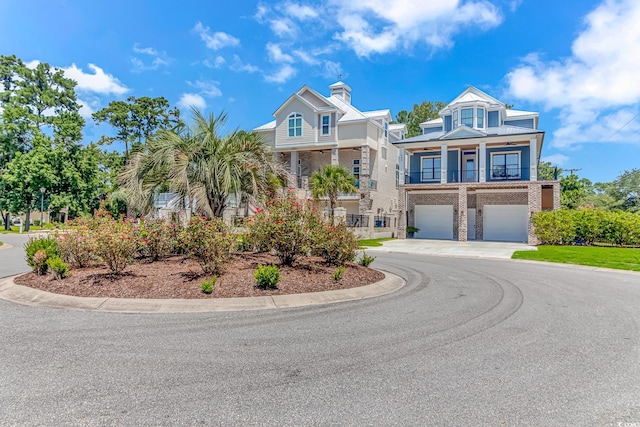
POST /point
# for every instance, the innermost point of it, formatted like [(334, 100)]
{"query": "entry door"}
[(471, 224), (469, 173)]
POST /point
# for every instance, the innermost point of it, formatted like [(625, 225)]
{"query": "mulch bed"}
[(176, 277)]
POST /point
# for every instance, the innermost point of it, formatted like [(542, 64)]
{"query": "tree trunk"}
[(7, 220), (27, 221)]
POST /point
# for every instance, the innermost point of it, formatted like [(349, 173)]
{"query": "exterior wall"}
[(332, 129), (524, 123), (269, 137), (308, 121), (431, 130), (313, 99), (385, 197), (352, 134), (447, 123)]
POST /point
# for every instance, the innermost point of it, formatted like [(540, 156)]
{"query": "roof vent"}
[(341, 90)]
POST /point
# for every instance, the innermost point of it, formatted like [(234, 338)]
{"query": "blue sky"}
[(575, 62)]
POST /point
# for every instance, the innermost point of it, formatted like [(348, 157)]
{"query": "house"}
[(472, 173), (311, 130)]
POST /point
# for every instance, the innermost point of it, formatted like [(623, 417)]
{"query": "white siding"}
[(282, 124)]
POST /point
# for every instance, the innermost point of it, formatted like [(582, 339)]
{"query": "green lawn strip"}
[(16, 229), (373, 242), (618, 258)]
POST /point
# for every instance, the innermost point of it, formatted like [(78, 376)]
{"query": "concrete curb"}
[(5, 246), (24, 295)]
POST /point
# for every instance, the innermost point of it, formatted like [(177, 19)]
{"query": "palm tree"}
[(201, 165), (330, 181)]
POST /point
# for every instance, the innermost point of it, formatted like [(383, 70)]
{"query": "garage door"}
[(505, 223), (434, 221)]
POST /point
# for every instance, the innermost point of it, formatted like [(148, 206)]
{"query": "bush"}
[(555, 227), (76, 246), (209, 242), (45, 248), (207, 285), (267, 276), (157, 238), (335, 243), (285, 226), (365, 260), (115, 242), (337, 275), (58, 267), (242, 243)]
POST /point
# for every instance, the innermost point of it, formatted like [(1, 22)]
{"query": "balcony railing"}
[(354, 220), (497, 173), (507, 173)]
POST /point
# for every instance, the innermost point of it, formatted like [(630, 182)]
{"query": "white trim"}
[(295, 115), (435, 177), (322, 116)]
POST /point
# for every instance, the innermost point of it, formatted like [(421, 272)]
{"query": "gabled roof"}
[(473, 94), (267, 126), (397, 126), (351, 113), (432, 123), (377, 113), (519, 113), (471, 133), (463, 131)]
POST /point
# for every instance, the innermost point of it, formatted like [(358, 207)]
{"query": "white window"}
[(480, 118), (295, 125), (326, 129), (430, 168), (355, 170), (383, 153), (386, 130), (397, 175), (466, 117), (455, 119), (505, 166)]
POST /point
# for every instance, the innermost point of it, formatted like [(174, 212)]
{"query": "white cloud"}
[(332, 70), (159, 59), (306, 57), (208, 88), (238, 65), (188, 100), (32, 64), (301, 12), (217, 40), (282, 27), (276, 55), (555, 159), (285, 73), (595, 89), (98, 82)]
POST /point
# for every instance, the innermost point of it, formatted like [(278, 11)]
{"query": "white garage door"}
[(505, 223), (434, 221)]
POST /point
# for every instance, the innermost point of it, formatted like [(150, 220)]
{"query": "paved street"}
[(465, 342), (12, 254)]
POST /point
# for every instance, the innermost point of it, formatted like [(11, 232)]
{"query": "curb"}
[(5, 246), (24, 295)]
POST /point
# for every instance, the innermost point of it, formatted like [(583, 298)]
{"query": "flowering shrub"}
[(209, 242), (115, 242), (157, 238), (335, 243), (285, 226), (76, 246)]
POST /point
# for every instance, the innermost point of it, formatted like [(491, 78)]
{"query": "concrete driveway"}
[(474, 249)]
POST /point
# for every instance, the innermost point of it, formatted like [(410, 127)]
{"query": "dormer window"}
[(455, 119), (386, 130), (480, 117), (295, 125), (466, 117)]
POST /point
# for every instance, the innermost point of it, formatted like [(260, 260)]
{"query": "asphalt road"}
[(12, 254), (466, 342)]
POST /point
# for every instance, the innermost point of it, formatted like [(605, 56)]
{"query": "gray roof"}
[(492, 131)]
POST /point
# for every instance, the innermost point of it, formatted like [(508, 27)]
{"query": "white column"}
[(334, 156), (443, 164), (482, 162), (294, 163), (533, 159)]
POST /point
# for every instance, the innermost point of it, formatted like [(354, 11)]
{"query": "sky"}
[(576, 62)]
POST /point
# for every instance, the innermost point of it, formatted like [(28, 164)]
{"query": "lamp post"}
[(42, 190)]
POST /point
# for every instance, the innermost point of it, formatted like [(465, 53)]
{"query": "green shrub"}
[(337, 275), (36, 222), (267, 276), (209, 242), (207, 285), (554, 227), (335, 243), (243, 243), (58, 267), (115, 242), (45, 247), (365, 259), (285, 226)]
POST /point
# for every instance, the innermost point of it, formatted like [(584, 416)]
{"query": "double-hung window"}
[(386, 130), (325, 124), (295, 124), (505, 166), (430, 168), (480, 118), (355, 169), (455, 119), (466, 117)]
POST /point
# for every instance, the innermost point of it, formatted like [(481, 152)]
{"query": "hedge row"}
[(586, 227)]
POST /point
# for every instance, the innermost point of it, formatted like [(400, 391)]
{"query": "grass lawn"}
[(618, 258), (373, 242), (16, 229)]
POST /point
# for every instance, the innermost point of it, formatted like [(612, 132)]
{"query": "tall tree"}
[(573, 191), (330, 181), (38, 105), (427, 110), (548, 172), (201, 165), (137, 119)]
